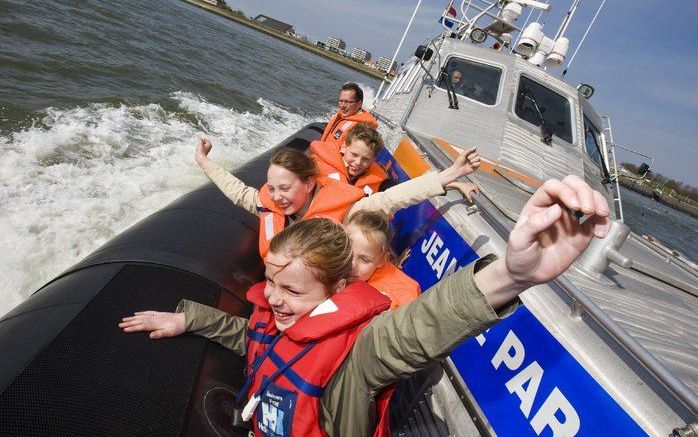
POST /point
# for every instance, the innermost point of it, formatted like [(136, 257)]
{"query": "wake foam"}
[(79, 176)]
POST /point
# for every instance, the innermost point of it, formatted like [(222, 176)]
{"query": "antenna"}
[(569, 64), (568, 17)]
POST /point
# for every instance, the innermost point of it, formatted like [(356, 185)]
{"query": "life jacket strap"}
[(258, 362)]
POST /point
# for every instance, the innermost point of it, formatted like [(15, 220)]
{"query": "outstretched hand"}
[(466, 163), (546, 239), (203, 147), (160, 325)]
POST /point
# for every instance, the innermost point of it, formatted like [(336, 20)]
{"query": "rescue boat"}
[(608, 348)]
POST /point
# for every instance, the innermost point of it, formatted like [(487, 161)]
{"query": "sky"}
[(641, 57)]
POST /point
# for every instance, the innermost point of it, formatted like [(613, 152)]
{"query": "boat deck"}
[(661, 317)]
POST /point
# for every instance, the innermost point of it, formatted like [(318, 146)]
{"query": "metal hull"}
[(612, 353)]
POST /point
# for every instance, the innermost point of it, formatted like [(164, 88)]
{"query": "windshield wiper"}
[(606, 174), (546, 134)]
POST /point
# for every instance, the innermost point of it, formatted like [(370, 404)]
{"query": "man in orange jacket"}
[(349, 114)]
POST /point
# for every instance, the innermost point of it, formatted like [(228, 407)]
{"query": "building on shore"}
[(337, 43), (384, 64), (360, 55), (219, 3), (274, 24)]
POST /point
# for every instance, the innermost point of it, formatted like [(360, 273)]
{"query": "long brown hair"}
[(296, 162)]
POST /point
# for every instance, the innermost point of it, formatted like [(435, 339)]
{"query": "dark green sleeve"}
[(214, 324), (399, 343)]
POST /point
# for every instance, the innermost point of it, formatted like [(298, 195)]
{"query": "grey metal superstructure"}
[(627, 310)]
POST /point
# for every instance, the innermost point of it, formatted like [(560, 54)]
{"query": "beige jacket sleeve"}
[(233, 188), (214, 324), (399, 343), (401, 195)]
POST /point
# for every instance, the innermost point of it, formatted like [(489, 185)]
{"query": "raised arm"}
[(420, 188), (233, 188), (544, 243), (546, 239)]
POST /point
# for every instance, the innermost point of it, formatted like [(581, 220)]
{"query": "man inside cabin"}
[(349, 114), (457, 82)]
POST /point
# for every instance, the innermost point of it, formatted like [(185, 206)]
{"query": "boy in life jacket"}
[(355, 164), (291, 192), (321, 349), (372, 258), (349, 114)]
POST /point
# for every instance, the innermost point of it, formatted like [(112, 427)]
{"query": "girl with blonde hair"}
[(373, 258)]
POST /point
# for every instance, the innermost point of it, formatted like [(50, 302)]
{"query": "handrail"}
[(504, 226), (614, 178), (486, 11)]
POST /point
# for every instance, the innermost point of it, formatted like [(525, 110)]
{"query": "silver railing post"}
[(614, 178), (399, 46)]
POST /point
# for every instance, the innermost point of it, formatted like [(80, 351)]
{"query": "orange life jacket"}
[(331, 167), (287, 372), (338, 127), (395, 284), (332, 202)]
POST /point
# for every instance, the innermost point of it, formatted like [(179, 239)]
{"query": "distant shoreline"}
[(296, 42), (633, 185)]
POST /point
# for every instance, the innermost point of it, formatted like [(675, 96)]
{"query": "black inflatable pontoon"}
[(66, 369)]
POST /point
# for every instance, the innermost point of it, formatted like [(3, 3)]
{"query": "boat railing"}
[(581, 302), (465, 24), (609, 150), (608, 131)]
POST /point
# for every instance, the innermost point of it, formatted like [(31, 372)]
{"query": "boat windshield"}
[(470, 79), (592, 141), (551, 106)]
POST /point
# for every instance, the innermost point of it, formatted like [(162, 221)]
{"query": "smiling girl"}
[(291, 192), (372, 260), (320, 350)]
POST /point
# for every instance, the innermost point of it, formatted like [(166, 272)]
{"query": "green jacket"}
[(393, 345)]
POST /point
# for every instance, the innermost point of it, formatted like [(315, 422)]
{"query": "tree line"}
[(658, 180)]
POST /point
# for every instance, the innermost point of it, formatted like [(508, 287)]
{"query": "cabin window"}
[(535, 101), (592, 142), (391, 89), (397, 82), (409, 84), (403, 79), (473, 80)]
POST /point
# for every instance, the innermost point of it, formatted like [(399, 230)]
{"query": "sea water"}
[(101, 105)]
